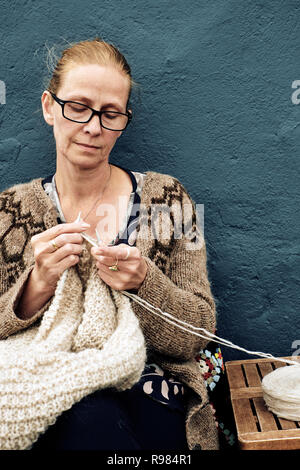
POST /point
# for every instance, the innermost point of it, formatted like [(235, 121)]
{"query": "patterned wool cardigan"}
[(176, 282)]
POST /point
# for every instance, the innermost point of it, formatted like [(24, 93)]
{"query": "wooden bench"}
[(258, 428)]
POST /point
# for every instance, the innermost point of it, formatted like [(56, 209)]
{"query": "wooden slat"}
[(286, 424), (235, 377), (252, 376), (278, 364), (245, 421), (255, 361), (270, 440), (266, 419), (248, 392), (265, 368)]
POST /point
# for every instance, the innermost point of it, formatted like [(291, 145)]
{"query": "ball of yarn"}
[(281, 392)]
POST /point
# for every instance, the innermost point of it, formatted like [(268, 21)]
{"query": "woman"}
[(46, 227)]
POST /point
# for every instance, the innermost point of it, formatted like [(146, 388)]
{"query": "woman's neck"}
[(76, 186)]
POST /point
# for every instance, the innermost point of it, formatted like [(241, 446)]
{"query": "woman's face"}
[(101, 88)]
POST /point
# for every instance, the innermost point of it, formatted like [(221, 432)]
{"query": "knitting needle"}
[(98, 237), (84, 235), (88, 239)]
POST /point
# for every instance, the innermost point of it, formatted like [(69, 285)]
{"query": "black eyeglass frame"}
[(94, 112)]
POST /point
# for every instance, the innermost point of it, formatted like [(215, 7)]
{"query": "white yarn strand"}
[(276, 385), (206, 334)]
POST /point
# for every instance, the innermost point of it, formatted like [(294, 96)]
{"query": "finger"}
[(60, 229), (116, 280), (66, 250), (52, 269), (127, 253), (52, 246), (61, 240), (121, 252), (106, 274), (106, 260), (66, 263)]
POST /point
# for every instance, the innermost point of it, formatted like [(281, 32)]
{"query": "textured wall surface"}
[(213, 108)]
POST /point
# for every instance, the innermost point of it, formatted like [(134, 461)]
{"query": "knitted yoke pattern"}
[(88, 339)]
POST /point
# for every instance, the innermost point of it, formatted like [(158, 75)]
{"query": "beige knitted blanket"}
[(88, 339)]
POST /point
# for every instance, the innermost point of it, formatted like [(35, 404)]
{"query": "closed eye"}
[(77, 107), (110, 115)]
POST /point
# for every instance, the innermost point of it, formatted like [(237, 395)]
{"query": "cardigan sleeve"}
[(190, 300), (10, 323), (182, 291), (17, 224)]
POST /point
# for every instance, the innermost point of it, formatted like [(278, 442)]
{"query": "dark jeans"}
[(110, 420)]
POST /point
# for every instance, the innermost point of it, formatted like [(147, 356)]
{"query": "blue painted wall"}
[(214, 108)]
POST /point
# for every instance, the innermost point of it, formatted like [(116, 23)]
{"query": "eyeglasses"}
[(81, 113)]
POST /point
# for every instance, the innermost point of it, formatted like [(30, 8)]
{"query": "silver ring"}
[(127, 249)]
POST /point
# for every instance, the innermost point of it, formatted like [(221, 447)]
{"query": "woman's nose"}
[(93, 126)]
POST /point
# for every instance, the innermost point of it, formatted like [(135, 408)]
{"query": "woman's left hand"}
[(131, 266)]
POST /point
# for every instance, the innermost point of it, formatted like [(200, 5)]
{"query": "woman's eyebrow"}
[(84, 99), (112, 105), (80, 98)]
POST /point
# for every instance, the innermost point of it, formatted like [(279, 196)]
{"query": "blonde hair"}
[(95, 51)]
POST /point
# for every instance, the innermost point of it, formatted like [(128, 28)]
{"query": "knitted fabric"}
[(88, 339)]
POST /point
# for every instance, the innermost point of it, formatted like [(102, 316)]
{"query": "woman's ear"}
[(47, 105)]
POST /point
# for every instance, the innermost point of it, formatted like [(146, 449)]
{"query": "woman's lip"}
[(87, 146)]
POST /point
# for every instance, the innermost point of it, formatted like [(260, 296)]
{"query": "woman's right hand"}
[(55, 250)]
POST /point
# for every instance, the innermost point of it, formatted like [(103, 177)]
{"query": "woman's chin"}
[(83, 159)]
